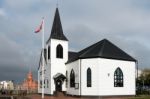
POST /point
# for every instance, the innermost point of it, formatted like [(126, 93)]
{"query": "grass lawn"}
[(141, 97)]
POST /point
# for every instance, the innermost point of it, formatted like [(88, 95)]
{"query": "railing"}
[(17, 92)]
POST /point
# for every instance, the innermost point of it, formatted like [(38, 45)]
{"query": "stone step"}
[(59, 94)]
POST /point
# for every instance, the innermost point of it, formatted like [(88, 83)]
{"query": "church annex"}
[(102, 69)]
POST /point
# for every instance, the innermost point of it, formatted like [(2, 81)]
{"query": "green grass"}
[(141, 97)]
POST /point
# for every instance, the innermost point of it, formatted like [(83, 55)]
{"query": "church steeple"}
[(57, 31)]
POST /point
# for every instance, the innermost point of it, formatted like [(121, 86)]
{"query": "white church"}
[(101, 69)]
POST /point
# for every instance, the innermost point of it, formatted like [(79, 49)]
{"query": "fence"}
[(17, 92)]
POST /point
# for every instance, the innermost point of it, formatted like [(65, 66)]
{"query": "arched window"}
[(118, 78), (48, 52), (89, 77), (72, 78), (40, 83), (44, 83), (47, 83), (59, 51)]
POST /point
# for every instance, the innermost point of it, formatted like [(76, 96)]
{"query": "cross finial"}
[(57, 4)]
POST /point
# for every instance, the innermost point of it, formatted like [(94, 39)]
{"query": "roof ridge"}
[(102, 49), (89, 48), (120, 49)]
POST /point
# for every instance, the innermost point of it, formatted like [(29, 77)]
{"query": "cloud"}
[(20, 4), (14, 60), (10, 57), (2, 12), (125, 23)]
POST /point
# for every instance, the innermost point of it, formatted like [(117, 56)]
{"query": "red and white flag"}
[(39, 28)]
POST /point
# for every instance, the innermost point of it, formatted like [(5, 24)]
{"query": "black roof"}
[(57, 31), (72, 56), (59, 76), (103, 49)]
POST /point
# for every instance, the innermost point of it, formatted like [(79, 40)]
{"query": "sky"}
[(126, 23)]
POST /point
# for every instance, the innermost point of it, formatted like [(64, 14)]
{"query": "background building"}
[(7, 85), (29, 83)]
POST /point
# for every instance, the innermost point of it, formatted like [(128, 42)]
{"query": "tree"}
[(143, 82), (144, 78)]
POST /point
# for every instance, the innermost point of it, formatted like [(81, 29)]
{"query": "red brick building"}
[(29, 83)]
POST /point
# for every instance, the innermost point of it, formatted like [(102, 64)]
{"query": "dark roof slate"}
[(57, 31), (72, 56), (103, 49)]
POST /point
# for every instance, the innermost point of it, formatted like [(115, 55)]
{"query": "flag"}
[(39, 28)]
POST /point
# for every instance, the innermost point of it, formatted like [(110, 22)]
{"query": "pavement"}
[(62, 96), (58, 96)]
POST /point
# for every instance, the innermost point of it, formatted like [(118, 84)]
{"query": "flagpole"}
[(43, 59)]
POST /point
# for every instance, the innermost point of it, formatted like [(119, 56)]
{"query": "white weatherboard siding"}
[(57, 67), (64, 44), (58, 64), (54, 66), (106, 77), (94, 65), (103, 77), (39, 77), (75, 66), (47, 77)]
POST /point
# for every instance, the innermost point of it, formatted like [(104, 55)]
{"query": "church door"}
[(58, 85), (59, 79)]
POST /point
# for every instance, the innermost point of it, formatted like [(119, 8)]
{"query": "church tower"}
[(57, 44), (57, 54)]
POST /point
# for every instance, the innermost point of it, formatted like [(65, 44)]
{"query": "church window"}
[(45, 54), (118, 78), (89, 78), (72, 78), (48, 52), (40, 83), (47, 83), (44, 83), (59, 51)]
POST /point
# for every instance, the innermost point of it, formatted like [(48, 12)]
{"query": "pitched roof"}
[(57, 31), (103, 49), (72, 56)]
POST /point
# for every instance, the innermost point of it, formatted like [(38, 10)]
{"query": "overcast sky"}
[(126, 23)]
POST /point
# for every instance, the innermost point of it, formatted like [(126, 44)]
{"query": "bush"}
[(143, 91)]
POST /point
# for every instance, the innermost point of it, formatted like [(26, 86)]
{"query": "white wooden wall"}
[(102, 74), (58, 65), (75, 66), (102, 77), (55, 65)]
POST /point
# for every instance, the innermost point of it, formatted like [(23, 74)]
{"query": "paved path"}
[(61, 96)]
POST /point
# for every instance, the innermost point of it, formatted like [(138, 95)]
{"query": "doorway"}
[(59, 79), (58, 85)]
